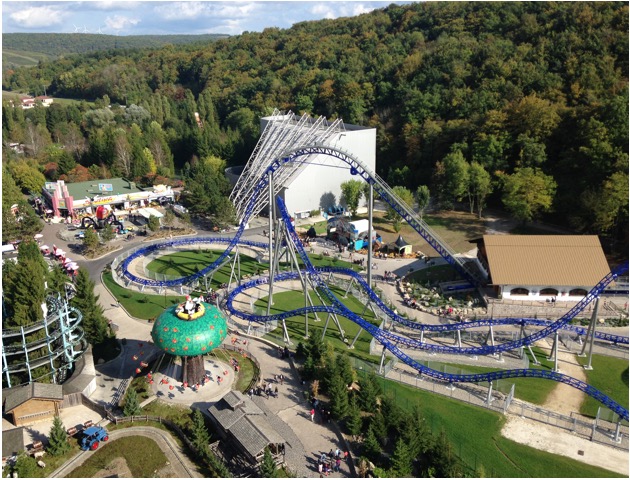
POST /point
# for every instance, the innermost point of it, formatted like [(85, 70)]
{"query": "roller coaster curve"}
[(67, 325), (387, 339)]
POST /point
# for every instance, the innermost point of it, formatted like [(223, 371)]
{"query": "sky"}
[(167, 17)]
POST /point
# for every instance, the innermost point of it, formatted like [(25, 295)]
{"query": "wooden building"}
[(244, 426), (33, 403)]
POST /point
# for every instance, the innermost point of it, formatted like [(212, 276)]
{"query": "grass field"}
[(138, 304), (610, 375), (287, 301), (141, 466), (475, 435)]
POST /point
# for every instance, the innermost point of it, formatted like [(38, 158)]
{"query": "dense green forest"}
[(519, 105), (21, 48)]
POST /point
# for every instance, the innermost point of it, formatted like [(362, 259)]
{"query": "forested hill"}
[(522, 105), (58, 44)]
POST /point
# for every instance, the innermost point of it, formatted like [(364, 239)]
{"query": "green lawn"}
[(610, 375), (140, 305), (475, 435), (141, 466), (287, 301)]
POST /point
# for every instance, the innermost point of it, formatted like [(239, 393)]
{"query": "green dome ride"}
[(190, 339)]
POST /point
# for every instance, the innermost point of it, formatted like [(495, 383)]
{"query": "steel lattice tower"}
[(282, 134)]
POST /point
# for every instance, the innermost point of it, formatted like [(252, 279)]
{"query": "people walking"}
[(312, 414)]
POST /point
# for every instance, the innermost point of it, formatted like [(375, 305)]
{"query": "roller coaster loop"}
[(389, 340)]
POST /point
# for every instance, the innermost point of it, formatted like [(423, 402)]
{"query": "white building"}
[(312, 188), (542, 267), (310, 182)]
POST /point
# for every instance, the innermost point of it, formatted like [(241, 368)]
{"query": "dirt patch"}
[(117, 468), (557, 441), (564, 398)]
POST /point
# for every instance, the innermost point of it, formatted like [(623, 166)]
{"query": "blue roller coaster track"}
[(389, 340)]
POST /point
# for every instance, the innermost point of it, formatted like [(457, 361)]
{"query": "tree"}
[(26, 177), (338, 393), (401, 460), (268, 465), (371, 446), (57, 439), (609, 204), (353, 420), (122, 154), (201, 437), (169, 218), (90, 240), (423, 196), (94, 322), (451, 178), (406, 198), (351, 192), (368, 393), (26, 466), (527, 193), (132, 405), (479, 187), (24, 292), (108, 233), (344, 367), (153, 223), (57, 281)]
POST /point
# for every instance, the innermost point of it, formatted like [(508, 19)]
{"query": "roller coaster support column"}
[(5, 364), (27, 362), (521, 335), (355, 338), (489, 397), (554, 352), (370, 211), (491, 337), (380, 367), (617, 436), (236, 263), (272, 209), (345, 295), (590, 337), (459, 339), (307, 298), (536, 362)]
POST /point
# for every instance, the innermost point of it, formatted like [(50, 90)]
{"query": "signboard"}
[(105, 187), (50, 185), (104, 200)]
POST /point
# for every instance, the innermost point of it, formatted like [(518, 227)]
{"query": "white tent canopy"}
[(147, 212)]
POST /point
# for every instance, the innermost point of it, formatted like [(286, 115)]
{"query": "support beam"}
[(489, 397), (554, 352), (536, 362), (370, 212), (590, 337), (356, 337), (271, 218), (380, 367)]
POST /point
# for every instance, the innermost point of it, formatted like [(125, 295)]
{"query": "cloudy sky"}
[(166, 17)]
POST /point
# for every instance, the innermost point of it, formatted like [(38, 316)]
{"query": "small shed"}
[(400, 246), (33, 403), (244, 425)]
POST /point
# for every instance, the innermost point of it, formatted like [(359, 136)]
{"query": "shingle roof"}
[(12, 441), (18, 396), (546, 260), (240, 416)]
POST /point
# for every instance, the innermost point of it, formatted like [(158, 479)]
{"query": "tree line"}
[(398, 442), (521, 105)]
